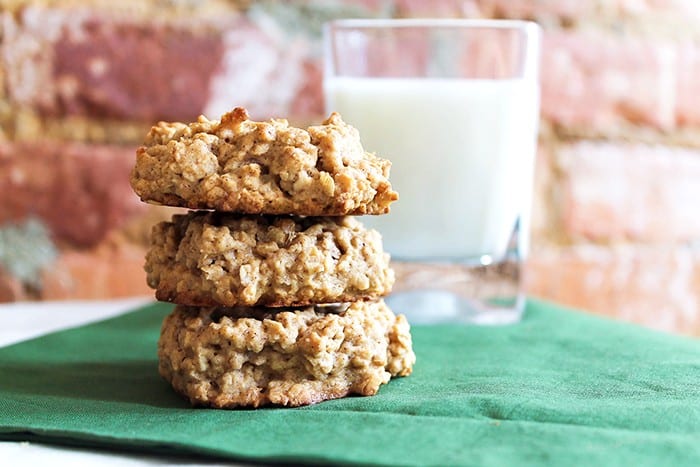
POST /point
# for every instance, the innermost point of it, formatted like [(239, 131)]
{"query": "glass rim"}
[(532, 34), (475, 23)]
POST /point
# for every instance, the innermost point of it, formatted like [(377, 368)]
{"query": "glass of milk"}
[(454, 104)]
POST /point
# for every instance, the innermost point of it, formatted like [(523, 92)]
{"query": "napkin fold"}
[(560, 387)]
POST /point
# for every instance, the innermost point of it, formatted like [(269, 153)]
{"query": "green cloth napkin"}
[(558, 388)]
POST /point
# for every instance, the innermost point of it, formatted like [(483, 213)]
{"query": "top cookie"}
[(239, 165)]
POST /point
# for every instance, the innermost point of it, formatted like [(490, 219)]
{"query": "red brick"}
[(87, 63), (683, 12), (575, 11), (11, 289), (309, 97), (597, 81), (112, 269), (262, 70), (688, 90), (80, 191), (81, 62), (617, 191), (543, 10), (134, 71), (654, 286), (438, 9), (542, 215)]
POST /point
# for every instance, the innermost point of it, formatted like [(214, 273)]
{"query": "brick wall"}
[(618, 172)]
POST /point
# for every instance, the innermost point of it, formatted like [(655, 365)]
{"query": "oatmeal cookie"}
[(216, 259), (249, 357), (239, 165)]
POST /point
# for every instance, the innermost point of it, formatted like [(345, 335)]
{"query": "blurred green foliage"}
[(25, 249)]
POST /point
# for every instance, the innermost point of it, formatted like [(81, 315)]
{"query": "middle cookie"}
[(209, 258)]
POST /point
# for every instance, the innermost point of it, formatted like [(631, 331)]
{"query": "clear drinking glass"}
[(454, 104)]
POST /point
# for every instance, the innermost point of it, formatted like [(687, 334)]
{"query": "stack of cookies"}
[(278, 287)]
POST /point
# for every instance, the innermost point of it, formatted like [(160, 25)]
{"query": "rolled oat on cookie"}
[(279, 289), (239, 165), (212, 258), (248, 357)]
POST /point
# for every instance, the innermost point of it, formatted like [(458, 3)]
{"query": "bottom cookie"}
[(250, 357)]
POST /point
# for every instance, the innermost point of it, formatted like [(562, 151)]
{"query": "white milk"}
[(462, 154)]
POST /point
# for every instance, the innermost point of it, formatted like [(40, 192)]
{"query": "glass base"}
[(434, 307), (429, 293)]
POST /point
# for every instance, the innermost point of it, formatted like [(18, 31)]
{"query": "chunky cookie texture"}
[(210, 259), (237, 357), (239, 165)]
